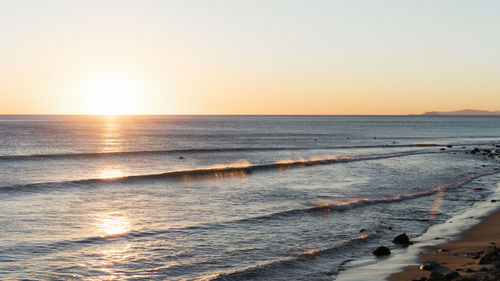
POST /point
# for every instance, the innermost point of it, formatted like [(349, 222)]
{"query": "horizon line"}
[(237, 114)]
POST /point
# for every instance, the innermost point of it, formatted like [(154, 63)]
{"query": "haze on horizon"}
[(248, 57)]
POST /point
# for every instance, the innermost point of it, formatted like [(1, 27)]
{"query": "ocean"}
[(229, 197)]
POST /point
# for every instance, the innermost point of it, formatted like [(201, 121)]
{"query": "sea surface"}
[(229, 197)]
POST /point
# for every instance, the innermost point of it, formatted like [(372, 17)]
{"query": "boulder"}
[(492, 255), (469, 278), (382, 251), (474, 151), (451, 276), (429, 265), (402, 239), (436, 275)]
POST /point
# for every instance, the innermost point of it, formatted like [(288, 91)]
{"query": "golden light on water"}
[(437, 203), (112, 224), (110, 136), (109, 256), (310, 254), (111, 174)]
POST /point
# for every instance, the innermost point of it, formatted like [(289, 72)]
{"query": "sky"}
[(248, 57)]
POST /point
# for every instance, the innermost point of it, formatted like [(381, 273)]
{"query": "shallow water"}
[(228, 197)]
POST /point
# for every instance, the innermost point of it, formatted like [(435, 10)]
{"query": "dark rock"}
[(493, 200), (474, 151), (402, 239), (492, 255), (362, 230), (382, 251), (436, 274), (449, 146), (469, 278), (469, 270), (429, 265), (451, 276), (442, 250), (180, 157), (442, 148)]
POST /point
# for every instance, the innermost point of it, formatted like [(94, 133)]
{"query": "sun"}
[(111, 94)]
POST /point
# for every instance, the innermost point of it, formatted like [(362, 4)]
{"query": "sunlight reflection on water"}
[(112, 224), (110, 138), (106, 262), (111, 174)]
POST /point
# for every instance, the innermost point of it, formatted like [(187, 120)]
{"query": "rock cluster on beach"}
[(487, 152), (490, 271)]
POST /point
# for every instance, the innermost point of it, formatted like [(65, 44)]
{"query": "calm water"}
[(227, 197)]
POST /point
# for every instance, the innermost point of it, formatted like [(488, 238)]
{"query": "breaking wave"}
[(241, 168)]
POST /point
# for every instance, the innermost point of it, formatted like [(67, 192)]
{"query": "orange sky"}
[(248, 57)]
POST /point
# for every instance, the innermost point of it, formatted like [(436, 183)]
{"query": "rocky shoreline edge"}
[(473, 257)]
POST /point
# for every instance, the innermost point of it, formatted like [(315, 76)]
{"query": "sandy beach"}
[(473, 256)]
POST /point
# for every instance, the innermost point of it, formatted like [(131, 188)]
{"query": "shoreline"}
[(461, 257), (404, 262)]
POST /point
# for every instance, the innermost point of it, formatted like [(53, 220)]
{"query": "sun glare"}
[(112, 224), (111, 174), (112, 95)]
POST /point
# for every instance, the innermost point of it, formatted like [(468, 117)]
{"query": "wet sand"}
[(462, 255)]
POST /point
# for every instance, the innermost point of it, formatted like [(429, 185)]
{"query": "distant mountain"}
[(463, 112)]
